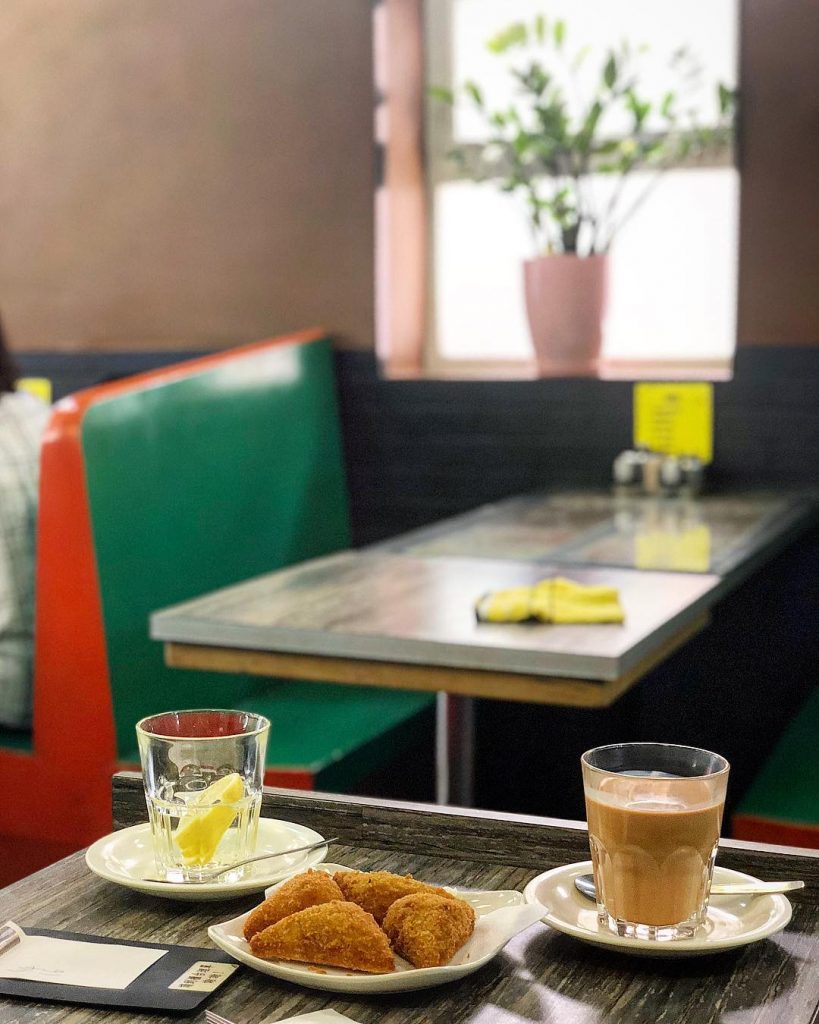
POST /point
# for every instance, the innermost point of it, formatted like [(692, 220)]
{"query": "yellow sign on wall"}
[(675, 419)]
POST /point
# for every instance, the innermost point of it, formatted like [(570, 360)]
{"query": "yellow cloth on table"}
[(554, 600)]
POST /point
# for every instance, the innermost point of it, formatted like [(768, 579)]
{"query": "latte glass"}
[(203, 774), (654, 812)]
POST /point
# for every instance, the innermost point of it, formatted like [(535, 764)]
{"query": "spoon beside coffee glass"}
[(585, 885)]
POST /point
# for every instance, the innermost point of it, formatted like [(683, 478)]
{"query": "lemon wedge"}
[(198, 835)]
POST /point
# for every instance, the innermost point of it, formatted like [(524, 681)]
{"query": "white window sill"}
[(614, 370)]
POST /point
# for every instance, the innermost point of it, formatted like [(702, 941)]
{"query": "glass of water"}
[(203, 773)]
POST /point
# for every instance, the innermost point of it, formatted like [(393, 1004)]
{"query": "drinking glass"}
[(203, 774), (654, 812)]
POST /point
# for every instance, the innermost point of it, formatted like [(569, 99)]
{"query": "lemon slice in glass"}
[(198, 836)]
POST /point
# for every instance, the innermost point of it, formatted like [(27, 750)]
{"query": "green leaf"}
[(580, 57), (651, 147), (680, 55), (521, 143), (610, 71), (540, 28), (474, 91), (553, 121), (444, 95), (726, 98), (640, 109), (514, 35), (667, 105), (535, 79), (559, 31), (589, 126)]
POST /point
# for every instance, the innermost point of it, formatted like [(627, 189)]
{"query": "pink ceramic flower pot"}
[(565, 304)]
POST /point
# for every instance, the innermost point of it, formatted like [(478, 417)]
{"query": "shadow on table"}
[(639, 989)]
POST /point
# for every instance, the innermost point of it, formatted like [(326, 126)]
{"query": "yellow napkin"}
[(552, 600)]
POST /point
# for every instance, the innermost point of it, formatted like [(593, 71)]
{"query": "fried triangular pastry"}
[(376, 891), (305, 890), (428, 930), (336, 934)]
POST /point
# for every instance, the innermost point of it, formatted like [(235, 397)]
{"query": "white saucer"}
[(126, 857), (731, 921), (494, 909)]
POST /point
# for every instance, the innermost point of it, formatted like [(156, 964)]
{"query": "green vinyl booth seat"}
[(208, 479), (782, 804), (154, 490)]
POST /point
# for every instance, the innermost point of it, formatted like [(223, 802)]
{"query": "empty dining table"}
[(401, 614)]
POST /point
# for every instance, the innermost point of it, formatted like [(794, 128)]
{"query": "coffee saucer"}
[(127, 857), (732, 921)]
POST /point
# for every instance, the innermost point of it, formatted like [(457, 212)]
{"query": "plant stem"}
[(635, 206)]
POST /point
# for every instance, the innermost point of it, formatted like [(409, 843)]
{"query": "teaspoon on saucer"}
[(585, 885), (212, 876)]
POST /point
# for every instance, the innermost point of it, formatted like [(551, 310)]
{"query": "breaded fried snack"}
[(376, 891), (305, 890), (427, 929), (336, 934)]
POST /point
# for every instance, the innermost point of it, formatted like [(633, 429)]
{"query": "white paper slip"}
[(71, 962)]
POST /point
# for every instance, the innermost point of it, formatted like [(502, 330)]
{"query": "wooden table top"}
[(379, 606), (541, 976), (400, 614), (716, 533)]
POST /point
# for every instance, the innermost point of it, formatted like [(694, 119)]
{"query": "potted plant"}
[(570, 144)]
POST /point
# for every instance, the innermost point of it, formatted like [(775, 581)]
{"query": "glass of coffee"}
[(654, 812)]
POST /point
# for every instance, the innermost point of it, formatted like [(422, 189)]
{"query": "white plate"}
[(484, 944), (126, 857), (731, 920)]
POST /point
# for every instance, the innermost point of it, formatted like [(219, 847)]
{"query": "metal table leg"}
[(455, 750)]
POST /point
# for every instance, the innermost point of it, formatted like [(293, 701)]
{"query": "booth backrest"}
[(155, 489), (220, 471)]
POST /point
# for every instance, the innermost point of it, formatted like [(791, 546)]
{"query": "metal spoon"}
[(585, 885), (212, 875)]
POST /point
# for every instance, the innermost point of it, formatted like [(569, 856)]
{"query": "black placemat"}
[(150, 991)]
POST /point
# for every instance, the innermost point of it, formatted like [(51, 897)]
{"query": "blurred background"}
[(180, 178)]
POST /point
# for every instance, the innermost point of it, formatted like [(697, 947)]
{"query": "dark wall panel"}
[(421, 450)]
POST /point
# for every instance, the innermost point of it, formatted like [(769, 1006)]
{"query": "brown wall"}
[(779, 245), (198, 172), (184, 172)]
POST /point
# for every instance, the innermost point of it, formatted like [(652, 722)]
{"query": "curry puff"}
[(335, 934), (376, 891), (427, 929), (306, 890)]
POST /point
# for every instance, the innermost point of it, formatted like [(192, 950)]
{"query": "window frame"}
[(412, 349)]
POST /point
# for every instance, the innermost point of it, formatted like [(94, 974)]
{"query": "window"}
[(672, 268)]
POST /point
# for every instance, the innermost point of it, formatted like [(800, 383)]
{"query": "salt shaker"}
[(693, 475), (671, 475)]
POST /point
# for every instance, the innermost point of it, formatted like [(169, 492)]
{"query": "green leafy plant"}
[(549, 150)]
